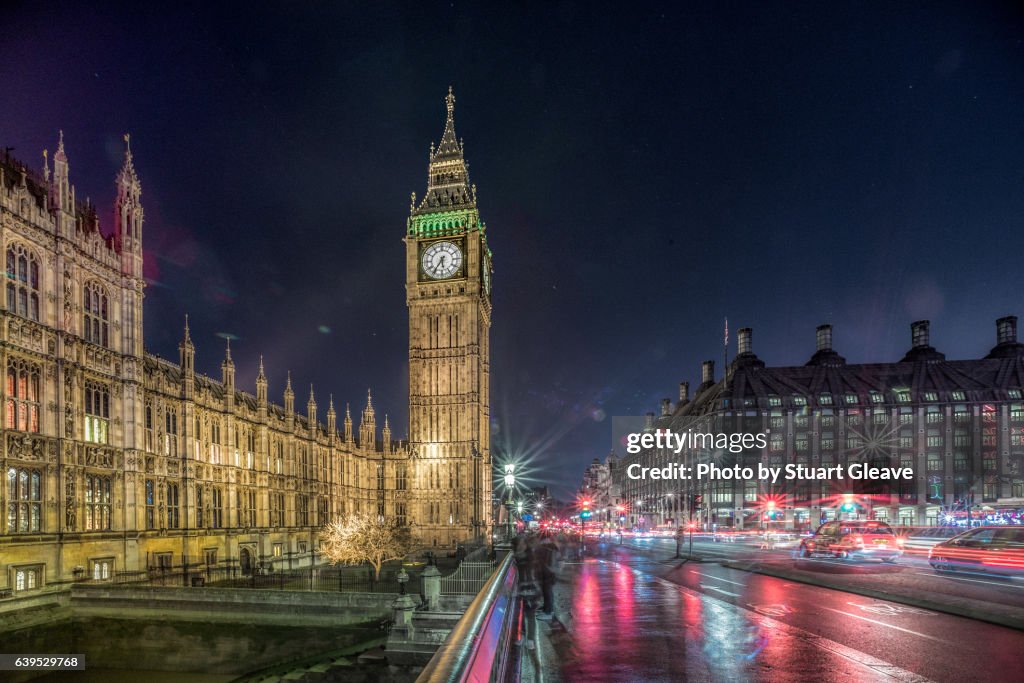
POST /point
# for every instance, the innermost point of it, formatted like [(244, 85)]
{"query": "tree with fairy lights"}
[(359, 538)]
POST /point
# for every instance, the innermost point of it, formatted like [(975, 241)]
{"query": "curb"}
[(956, 610)]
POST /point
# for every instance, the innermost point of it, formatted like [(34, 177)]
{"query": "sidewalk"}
[(614, 623)]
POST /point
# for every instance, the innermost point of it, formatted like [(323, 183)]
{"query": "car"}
[(853, 539), (993, 550)]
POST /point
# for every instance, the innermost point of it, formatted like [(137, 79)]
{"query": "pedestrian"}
[(529, 593), (545, 559)]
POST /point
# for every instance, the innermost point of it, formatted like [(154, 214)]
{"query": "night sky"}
[(644, 171)]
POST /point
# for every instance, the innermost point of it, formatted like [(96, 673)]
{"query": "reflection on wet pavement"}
[(626, 625)]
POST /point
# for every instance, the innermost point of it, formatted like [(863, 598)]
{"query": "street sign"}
[(527, 518)]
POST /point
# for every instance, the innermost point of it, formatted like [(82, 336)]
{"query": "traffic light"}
[(698, 500), (585, 512), (848, 504)]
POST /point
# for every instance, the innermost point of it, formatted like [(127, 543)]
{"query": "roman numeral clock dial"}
[(441, 260)]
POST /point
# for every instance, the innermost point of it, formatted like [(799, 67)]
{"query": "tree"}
[(360, 538)]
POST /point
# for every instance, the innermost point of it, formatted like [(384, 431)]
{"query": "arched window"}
[(97, 412), (24, 501), (22, 396), (97, 503), (95, 305), (171, 432), (22, 282)]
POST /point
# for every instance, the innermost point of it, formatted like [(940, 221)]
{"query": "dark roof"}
[(987, 379)]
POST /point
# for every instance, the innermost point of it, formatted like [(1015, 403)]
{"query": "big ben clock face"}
[(441, 260)]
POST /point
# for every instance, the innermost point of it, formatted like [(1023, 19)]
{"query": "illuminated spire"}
[(448, 183)]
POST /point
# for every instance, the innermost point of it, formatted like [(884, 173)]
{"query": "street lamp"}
[(510, 485)]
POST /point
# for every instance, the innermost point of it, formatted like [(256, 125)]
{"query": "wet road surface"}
[(627, 614)]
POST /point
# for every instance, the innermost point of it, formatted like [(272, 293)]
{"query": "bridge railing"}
[(477, 649)]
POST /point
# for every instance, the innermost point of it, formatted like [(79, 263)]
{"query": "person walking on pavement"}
[(529, 592), (545, 557)]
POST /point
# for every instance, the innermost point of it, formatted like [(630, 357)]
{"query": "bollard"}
[(431, 586)]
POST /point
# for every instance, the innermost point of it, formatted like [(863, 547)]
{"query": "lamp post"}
[(510, 485)]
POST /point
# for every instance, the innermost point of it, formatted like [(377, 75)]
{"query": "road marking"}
[(882, 623), (884, 608), (777, 610), (962, 578), (719, 590), (718, 578)]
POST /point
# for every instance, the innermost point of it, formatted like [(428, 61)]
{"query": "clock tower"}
[(448, 293)]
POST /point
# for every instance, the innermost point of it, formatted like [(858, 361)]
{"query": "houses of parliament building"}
[(117, 460)]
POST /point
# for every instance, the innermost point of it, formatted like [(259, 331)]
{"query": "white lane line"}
[(717, 578), (719, 590), (962, 578), (882, 623)]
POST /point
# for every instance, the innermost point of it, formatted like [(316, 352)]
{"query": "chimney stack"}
[(919, 334), (744, 340), (684, 392), (1006, 330), (666, 406), (824, 336), (707, 372), (649, 421)]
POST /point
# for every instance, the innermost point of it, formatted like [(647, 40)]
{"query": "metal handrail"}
[(454, 661)]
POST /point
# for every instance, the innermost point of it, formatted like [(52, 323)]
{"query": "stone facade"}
[(114, 459)]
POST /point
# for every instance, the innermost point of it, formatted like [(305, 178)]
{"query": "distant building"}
[(602, 490), (958, 424)]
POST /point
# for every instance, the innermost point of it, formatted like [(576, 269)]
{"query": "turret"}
[(128, 215), (348, 426), (332, 420), (386, 435), (187, 360), (311, 411), (368, 425), (261, 388), (289, 398), (227, 375), (62, 193)]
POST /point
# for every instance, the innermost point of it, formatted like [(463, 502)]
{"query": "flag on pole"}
[(725, 342)]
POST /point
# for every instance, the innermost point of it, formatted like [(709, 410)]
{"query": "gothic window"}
[(215, 442), (150, 504), (22, 282), (400, 517), (276, 509), (279, 458), (197, 437), (149, 427), (250, 449), (28, 578), (96, 319), (97, 503), (246, 508), (173, 509), (171, 432), (97, 412), (199, 507), (102, 569), (301, 510), (323, 510), (24, 501), (217, 511), (22, 396), (400, 481)]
